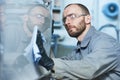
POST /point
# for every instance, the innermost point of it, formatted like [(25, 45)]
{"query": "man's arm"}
[(102, 59)]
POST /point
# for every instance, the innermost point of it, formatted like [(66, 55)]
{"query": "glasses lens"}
[(40, 16), (71, 16)]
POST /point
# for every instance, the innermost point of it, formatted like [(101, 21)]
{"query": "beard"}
[(31, 26), (79, 29), (42, 27)]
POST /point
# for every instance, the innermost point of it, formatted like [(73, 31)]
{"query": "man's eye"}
[(40, 16), (72, 16)]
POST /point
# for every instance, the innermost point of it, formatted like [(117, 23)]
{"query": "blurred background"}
[(18, 18)]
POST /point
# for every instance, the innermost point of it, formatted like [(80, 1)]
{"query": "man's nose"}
[(67, 21)]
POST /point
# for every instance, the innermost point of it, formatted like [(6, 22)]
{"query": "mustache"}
[(69, 27)]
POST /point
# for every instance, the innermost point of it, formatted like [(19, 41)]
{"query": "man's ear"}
[(88, 19), (25, 27)]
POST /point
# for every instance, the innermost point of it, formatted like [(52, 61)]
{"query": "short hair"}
[(84, 8), (32, 6)]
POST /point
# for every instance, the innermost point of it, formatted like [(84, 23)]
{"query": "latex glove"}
[(44, 61)]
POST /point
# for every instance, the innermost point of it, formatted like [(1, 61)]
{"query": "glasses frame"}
[(72, 16), (39, 16)]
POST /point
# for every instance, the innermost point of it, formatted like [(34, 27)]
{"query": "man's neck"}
[(81, 37)]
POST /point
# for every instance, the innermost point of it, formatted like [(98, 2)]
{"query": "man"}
[(96, 57), (37, 15), (18, 36)]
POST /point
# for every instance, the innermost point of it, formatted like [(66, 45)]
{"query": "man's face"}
[(37, 18), (74, 20)]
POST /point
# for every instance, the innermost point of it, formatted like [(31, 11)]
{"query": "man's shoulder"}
[(102, 38)]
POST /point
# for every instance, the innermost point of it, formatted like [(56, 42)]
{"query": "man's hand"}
[(45, 61)]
